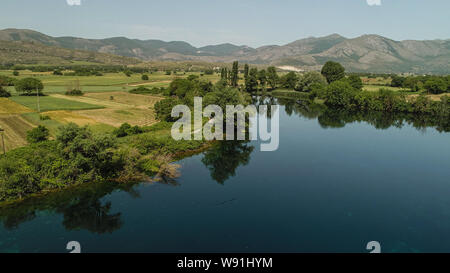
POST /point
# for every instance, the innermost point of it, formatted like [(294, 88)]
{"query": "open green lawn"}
[(50, 103)]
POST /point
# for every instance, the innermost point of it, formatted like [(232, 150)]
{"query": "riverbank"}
[(77, 156)]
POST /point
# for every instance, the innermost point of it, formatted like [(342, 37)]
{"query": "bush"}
[(38, 134), (144, 90), (16, 73), (45, 118), (340, 94), (7, 81), (74, 92), (355, 82), (127, 130), (4, 93), (164, 107), (397, 81), (144, 77)]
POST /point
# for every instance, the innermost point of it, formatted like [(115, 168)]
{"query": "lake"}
[(336, 182)]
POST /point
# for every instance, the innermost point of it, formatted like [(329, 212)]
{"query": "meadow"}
[(109, 82), (49, 103), (106, 103)]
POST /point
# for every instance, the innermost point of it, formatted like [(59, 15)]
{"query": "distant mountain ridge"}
[(371, 53)]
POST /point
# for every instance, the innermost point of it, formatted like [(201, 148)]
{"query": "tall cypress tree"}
[(251, 84), (234, 77), (246, 68)]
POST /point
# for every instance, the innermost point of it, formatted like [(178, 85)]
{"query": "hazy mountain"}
[(366, 53)]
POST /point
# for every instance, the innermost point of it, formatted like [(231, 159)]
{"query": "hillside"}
[(34, 53), (371, 53)]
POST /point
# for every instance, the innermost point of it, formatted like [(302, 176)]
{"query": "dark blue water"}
[(324, 190)]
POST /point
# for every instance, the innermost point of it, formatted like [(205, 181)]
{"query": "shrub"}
[(74, 92), (127, 130), (38, 134), (340, 94), (4, 93), (144, 77), (44, 117), (164, 107)]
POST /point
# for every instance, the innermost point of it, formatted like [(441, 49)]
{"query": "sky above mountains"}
[(250, 22)]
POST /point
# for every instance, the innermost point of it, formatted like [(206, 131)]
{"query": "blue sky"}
[(250, 22)]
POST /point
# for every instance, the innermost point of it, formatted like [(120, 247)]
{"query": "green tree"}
[(29, 85), (234, 74), (4, 93), (308, 80), (340, 94), (333, 71), (272, 77), (289, 80), (251, 85), (163, 109), (246, 70), (38, 134), (436, 85), (355, 82), (262, 78), (397, 81)]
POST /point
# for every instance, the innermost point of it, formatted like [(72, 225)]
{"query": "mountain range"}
[(367, 53)]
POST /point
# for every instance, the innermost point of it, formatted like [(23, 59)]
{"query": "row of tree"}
[(269, 79), (430, 84)]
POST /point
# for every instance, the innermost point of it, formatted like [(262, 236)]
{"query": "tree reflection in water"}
[(80, 206), (338, 118), (224, 157)]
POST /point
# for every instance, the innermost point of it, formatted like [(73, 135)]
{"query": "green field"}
[(109, 82), (51, 104), (374, 88)]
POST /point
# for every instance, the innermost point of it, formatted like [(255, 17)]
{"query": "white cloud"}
[(73, 2), (374, 2)]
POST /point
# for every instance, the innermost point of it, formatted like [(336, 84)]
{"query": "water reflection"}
[(329, 118), (224, 157), (80, 206)]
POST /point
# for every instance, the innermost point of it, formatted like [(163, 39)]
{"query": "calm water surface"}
[(324, 190)]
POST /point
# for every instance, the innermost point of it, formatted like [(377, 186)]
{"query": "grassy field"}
[(107, 83), (105, 105), (49, 103), (16, 128), (10, 107), (374, 88)]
